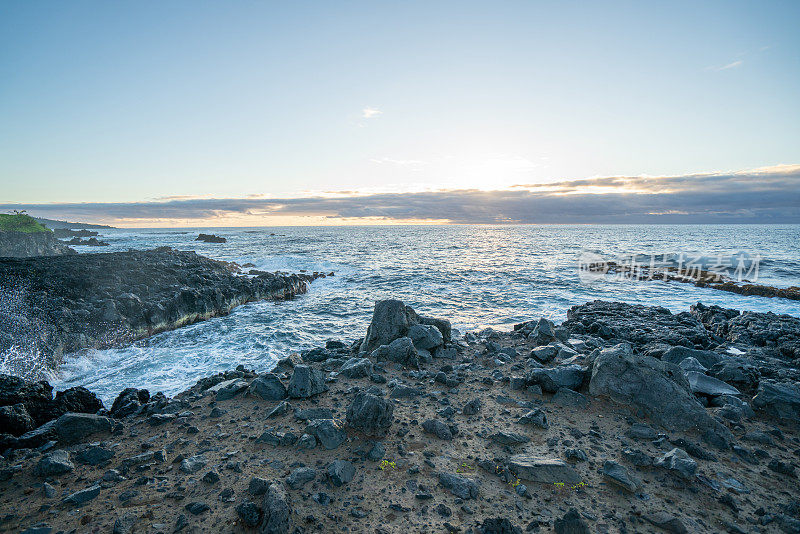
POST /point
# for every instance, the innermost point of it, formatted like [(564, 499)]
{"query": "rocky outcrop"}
[(337, 439), (26, 245), (57, 305)]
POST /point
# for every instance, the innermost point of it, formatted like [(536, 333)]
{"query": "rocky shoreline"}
[(622, 419), (60, 304)]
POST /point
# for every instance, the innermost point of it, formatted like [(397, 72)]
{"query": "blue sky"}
[(107, 102)]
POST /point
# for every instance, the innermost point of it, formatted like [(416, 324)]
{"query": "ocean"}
[(475, 276)]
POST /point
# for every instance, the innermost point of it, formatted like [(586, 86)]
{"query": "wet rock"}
[(129, 402), (425, 337), (400, 351), (658, 389), (210, 238), (571, 523), (37, 397), (54, 464), (460, 486), (249, 513), (778, 399), (328, 432), (16, 420), (619, 476), (341, 472), (301, 476), (678, 462), (547, 470), (356, 368), (306, 382), (551, 379), (268, 387), (370, 414), (536, 417), (438, 429), (83, 496)]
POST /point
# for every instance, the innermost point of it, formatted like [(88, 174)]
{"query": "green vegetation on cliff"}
[(20, 222)]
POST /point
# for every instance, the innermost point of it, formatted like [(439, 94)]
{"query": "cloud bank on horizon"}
[(765, 195)]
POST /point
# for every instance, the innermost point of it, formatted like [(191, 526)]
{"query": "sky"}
[(251, 112)]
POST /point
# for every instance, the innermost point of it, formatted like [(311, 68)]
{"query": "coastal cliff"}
[(55, 305), (622, 419)]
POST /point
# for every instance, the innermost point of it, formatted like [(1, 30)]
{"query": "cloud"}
[(370, 113), (766, 195), (731, 65)]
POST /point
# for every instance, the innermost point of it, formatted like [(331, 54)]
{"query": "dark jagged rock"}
[(129, 402), (37, 397), (54, 464), (460, 486), (306, 382), (268, 387), (779, 334), (16, 420), (571, 523), (62, 304), (639, 325), (552, 378), (780, 400), (341, 472), (370, 414), (210, 238), (78, 400), (276, 516)]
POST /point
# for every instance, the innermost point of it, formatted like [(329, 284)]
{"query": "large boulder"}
[(306, 382), (391, 319), (73, 428), (370, 414), (78, 400), (778, 399), (656, 388)]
